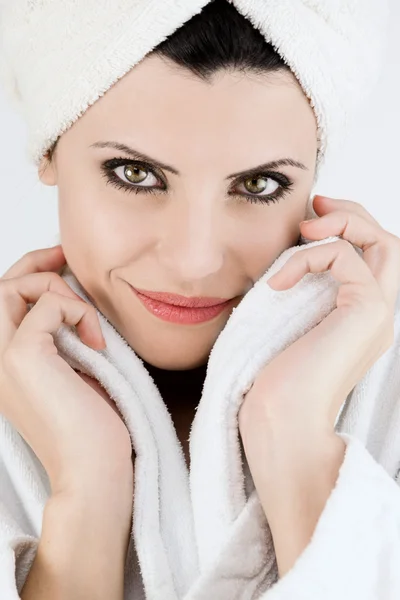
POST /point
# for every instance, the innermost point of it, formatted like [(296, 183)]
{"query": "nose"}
[(190, 244)]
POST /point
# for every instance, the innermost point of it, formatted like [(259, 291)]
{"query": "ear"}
[(47, 171)]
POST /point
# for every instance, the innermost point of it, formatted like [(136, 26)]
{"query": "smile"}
[(184, 315)]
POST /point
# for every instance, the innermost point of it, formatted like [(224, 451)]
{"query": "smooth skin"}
[(194, 239)]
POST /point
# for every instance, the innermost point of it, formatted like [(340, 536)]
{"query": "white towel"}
[(203, 534), (57, 57)]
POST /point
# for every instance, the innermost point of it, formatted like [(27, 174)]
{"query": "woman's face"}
[(197, 234)]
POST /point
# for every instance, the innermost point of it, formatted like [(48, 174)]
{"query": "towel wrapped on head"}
[(53, 74)]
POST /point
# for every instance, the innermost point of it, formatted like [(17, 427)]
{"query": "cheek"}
[(260, 246)]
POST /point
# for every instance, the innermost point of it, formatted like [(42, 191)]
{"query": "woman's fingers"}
[(381, 249), (55, 302), (55, 411), (49, 312), (44, 259), (338, 257), (35, 275), (323, 204)]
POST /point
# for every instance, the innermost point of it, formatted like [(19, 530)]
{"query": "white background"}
[(366, 168)]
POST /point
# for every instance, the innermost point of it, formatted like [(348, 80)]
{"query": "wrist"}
[(259, 423), (279, 448), (87, 538), (97, 485), (284, 466), (295, 495), (94, 509)]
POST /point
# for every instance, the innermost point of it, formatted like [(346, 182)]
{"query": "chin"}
[(174, 361)]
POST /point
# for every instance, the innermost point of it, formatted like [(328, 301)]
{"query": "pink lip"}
[(190, 310), (177, 300)]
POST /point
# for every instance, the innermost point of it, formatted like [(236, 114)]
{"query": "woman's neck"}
[(181, 392), (179, 389)]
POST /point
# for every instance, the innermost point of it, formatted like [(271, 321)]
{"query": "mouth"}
[(181, 309)]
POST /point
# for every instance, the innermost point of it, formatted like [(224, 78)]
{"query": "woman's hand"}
[(287, 419), (308, 382), (76, 433)]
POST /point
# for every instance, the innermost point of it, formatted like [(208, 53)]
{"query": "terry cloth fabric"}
[(57, 57), (202, 533)]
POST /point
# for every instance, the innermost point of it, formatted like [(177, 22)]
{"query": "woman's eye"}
[(136, 175), (264, 186)]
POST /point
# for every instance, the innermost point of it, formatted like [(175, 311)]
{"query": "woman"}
[(205, 222)]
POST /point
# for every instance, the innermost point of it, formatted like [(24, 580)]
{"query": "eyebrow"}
[(139, 156)]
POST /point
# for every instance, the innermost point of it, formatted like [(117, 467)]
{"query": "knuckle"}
[(352, 205), (345, 215), (345, 245), (47, 297), (55, 276), (359, 209), (49, 300), (28, 259), (57, 282)]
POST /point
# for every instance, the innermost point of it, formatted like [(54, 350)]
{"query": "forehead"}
[(158, 105)]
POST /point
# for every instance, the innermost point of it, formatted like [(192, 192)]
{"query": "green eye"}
[(141, 178), (137, 173), (132, 173), (256, 185)]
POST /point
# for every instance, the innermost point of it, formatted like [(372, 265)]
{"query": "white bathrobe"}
[(203, 535)]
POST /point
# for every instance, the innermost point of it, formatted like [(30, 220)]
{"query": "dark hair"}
[(217, 38)]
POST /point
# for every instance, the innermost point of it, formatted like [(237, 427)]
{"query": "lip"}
[(190, 311), (177, 300)]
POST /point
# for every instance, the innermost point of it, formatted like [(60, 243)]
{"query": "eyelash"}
[(109, 166)]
